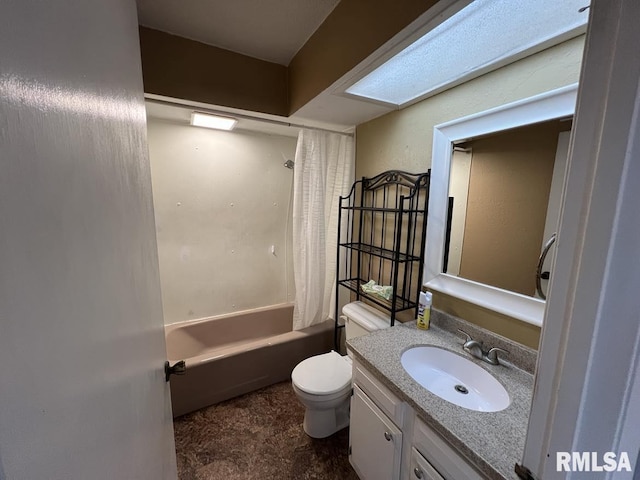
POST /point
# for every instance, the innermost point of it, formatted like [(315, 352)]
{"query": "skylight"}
[(483, 36)]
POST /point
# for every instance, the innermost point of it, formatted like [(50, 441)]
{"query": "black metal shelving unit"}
[(382, 226)]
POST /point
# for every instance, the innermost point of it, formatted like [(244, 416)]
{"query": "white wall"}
[(221, 199)]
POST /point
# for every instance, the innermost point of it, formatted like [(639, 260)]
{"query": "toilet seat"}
[(322, 374)]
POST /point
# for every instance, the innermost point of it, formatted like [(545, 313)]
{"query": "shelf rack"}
[(382, 226)]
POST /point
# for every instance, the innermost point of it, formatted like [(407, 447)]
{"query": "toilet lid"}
[(322, 374)]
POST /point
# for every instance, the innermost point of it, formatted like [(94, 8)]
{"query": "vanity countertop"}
[(492, 441)]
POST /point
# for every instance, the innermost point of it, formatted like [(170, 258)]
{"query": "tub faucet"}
[(475, 349)]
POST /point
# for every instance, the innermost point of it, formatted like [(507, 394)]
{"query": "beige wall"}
[(221, 200), (352, 32), (177, 67), (181, 68), (521, 332), (403, 139)]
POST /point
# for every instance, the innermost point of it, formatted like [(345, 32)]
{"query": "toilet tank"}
[(361, 319)]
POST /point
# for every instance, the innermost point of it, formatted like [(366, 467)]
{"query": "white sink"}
[(455, 379)]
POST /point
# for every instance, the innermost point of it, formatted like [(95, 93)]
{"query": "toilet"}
[(323, 382)]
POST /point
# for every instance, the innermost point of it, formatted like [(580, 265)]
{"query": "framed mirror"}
[(478, 281)]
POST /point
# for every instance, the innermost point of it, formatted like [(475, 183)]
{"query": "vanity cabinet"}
[(442, 460), (376, 443), (421, 469), (388, 442), (375, 436)]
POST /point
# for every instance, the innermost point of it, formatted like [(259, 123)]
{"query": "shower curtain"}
[(324, 170)]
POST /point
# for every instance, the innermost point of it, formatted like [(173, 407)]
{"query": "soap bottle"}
[(424, 310)]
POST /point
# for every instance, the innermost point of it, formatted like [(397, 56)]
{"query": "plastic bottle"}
[(424, 310)]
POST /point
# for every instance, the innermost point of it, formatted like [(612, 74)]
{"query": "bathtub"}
[(229, 355)]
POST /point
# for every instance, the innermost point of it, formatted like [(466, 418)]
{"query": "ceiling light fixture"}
[(212, 121), (483, 36)]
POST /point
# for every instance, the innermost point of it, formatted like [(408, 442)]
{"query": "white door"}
[(587, 382), (82, 393), (553, 213)]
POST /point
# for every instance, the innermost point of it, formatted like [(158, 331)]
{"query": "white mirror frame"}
[(539, 108)]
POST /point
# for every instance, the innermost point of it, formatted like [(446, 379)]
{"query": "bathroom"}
[(99, 283), (247, 248), (243, 260)]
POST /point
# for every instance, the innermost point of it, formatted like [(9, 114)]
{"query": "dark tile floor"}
[(258, 436)]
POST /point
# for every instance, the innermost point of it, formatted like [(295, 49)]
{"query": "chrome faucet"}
[(492, 355), (476, 349), (471, 346)]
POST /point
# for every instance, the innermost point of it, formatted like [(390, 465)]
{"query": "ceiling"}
[(272, 30), (275, 30), (260, 29)]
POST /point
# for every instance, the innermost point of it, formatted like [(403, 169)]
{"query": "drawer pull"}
[(388, 436), (417, 472)]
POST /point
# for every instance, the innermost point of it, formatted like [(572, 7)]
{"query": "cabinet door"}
[(421, 469), (376, 443)]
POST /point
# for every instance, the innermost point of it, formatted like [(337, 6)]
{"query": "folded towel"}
[(382, 291)]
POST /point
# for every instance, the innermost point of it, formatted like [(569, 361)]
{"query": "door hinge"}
[(523, 472)]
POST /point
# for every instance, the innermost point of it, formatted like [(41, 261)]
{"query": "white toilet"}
[(323, 382)]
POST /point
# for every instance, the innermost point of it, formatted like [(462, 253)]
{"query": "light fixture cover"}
[(483, 36), (212, 121)]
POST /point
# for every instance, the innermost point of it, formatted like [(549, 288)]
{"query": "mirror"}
[(504, 200), (478, 280)]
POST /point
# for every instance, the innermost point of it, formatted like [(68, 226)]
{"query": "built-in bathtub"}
[(233, 354)]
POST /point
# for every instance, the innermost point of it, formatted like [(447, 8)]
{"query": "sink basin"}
[(455, 379)]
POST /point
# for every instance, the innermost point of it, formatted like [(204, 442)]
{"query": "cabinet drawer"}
[(441, 455), (388, 402), (421, 469)]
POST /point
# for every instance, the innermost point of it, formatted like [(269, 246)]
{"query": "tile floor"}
[(258, 436)]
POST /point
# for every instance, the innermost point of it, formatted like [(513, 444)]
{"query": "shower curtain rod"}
[(242, 115)]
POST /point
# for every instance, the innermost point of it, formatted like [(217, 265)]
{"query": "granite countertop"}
[(492, 441)]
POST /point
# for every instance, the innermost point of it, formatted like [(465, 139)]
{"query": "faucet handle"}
[(466, 335), (471, 346), (469, 342), (492, 355)]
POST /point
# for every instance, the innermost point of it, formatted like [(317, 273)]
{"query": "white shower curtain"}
[(324, 170)]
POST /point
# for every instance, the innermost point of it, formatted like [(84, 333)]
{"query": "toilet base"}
[(324, 423)]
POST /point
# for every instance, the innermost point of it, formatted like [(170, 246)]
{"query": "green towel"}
[(382, 291)]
